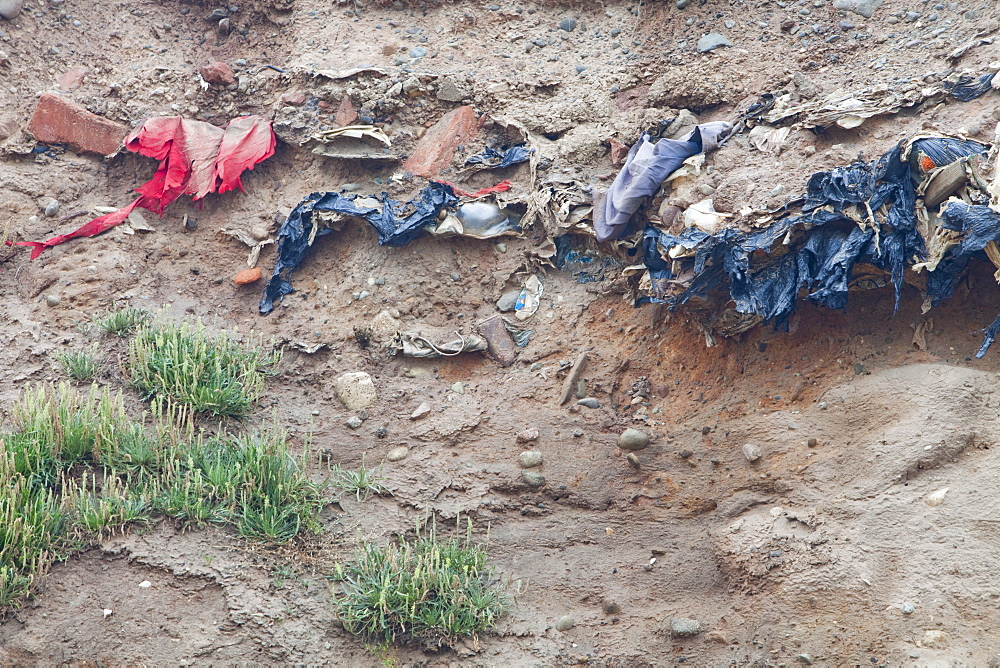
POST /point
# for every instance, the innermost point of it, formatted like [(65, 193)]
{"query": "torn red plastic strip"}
[(503, 186), (94, 227)]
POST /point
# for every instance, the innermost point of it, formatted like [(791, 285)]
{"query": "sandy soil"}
[(807, 554)]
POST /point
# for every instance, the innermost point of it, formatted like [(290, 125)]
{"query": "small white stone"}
[(145, 584), (107, 612), (935, 499), (355, 390)]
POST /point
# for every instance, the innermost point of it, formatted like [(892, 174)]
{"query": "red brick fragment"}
[(618, 151), (247, 276), (345, 113), (58, 121), (436, 149), (218, 73)]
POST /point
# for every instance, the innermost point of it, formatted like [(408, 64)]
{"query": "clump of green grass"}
[(76, 468), (210, 372), (80, 365), (362, 483), (122, 321), (427, 589), (252, 482)]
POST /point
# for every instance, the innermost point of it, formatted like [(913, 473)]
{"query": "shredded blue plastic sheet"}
[(397, 224), (969, 88), (492, 158), (647, 166), (814, 251)]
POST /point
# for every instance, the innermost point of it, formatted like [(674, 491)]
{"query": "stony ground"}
[(824, 549)]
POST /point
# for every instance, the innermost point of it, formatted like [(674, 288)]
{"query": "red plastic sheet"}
[(196, 158), (503, 186)]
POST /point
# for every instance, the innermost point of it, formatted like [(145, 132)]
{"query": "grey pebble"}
[(589, 402), (908, 608), (751, 452), (52, 300), (577, 433), (681, 4), (805, 658), (354, 422), (633, 460), (712, 40), (397, 454), (530, 459), (532, 479), (456, 277), (633, 439), (565, 623), (52, 208), (684, 628), (912, 16), (458, 388), (568, 24), (418, 52), (507, 301)]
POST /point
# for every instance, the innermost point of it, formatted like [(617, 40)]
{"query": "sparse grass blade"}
[(362, 483)]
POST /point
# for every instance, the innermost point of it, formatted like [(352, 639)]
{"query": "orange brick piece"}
[(247, 276), (59, 121), (436, 149)]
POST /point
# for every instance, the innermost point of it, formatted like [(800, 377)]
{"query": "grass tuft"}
[(79, 365), (427, 590), (211, 373), (362, 483), (122, 321), (77, 468)]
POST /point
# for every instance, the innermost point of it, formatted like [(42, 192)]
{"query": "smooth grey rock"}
[(568, 24), (908, 608), (532, 479), (633, 439), (684, 628), (52, 300), (418, 52), (530, 459), (422, 411), (507, 301), (751, 452), (354, 422), (806, 659), (589, 402), (9, 9), (565, 623), (52, 208), (712, 40)]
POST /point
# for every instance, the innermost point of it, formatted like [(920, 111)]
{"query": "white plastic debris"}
[(108, 612)]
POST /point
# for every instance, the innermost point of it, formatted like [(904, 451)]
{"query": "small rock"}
[(934, 638), (565, 623), (633, 439), (354, 422), (935, 499), (712, 40), (681, 4), (532, 479), (499, 342), (568, 24), (9, 9), (52, 208), (397, 454), (145, 584), (458, 388), (717, 636), (812, 442), (356, 390), (507, 301), (807, 89), (423, 410), (805, 658), (611, 608), (52, 300), (418, 52), (530, 434), (633, 460), (751, 452), (908, 608), (218, 73), (530, 459), (684, 628), (589, 402), (449, 90), (865, 8), (247, 276)]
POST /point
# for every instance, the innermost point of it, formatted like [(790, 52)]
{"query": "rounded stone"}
[(530, 459), (397, 454), (354, 422), (532, 479), (589, 402), (52, 208), (684, 628), (565, 623), (52, 300), (633, 439)]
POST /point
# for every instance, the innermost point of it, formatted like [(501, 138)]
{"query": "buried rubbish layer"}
[(857, 226)]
